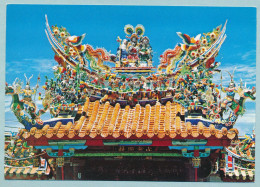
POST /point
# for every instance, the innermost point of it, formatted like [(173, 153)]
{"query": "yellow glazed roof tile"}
[(104, 119)]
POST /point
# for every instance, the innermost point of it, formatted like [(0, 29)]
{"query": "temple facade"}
[(134, 121)]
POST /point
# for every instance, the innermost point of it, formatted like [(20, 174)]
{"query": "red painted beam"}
[(162, 143), (98, 140), (37, 142), (94, 142)]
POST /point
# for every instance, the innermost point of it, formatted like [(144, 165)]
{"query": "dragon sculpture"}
[(70, 50), (193, 51), (25, 109)]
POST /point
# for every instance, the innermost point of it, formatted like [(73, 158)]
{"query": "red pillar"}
[(196, 174), (196, 165), (62, 173)]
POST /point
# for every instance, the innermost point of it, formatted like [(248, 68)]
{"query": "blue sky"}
[(28, 50)]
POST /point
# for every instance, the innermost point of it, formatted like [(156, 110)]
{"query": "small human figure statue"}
[(145, 53), (230, 94), (122, 49), (28, 92), (133, 49)]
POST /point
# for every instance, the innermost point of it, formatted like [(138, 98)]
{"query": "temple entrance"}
[(129, 169), (205, 170)]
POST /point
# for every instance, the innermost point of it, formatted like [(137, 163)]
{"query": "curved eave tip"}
[(226, 21)]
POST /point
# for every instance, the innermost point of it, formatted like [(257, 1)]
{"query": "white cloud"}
[(32, 65), (247, 118), (244, 130), (42, 65), (246, 72), (246, 123), (8, 101), (248, 55), (7, 109), (38, 102)]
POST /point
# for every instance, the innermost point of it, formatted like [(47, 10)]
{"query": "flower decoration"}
[(204, 41), (63, 34), (212, 35), (193, 53)]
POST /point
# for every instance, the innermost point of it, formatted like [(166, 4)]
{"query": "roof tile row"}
[(106, 120)]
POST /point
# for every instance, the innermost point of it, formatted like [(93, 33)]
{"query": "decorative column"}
[(36, 159), (196, 158), (60, 150), (60, 155), (196, 164), (60, 171), (222, 160), (196, 161)]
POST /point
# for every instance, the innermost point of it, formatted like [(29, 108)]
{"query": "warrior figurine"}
[(230, 94), (27, 92), (123, 50), (145, 52), (133, 49)]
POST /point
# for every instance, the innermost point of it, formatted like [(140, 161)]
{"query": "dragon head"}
[(250, 93), (14, 88), (9, 90), (245, 92)]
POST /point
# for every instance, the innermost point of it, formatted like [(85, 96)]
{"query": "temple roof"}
[(240, 174), (10, 170), (107, 121)]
